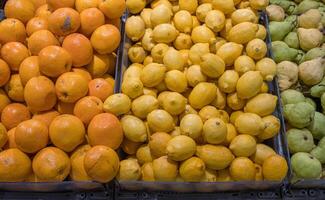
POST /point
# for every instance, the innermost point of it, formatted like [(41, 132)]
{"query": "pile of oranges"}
[(56, 65)]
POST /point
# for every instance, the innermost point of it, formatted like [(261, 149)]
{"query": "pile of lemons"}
[(195, 104)]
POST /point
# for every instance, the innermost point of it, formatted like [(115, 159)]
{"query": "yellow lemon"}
[(228, 81), (214, 131), (164, 169), (117, 104), (192, 169), (202, 95), (262, 104), (229, 52), (275, 168), (262, 153), (243, 145), (191, 125), (249, 84), (249, 123), (242, 169), (180, 148)]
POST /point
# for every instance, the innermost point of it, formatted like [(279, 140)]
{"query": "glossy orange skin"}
[(12, 30), (64, 21), (28, 69), (100, 88), (36, 24), (23, 10), (4, 73), (105, 129), (43, 11), (41, 39), (113, 8), (105, 39), (11, 143), (46, 117), (14, 53), (38, 3), (80, 49), (81, 5), (13, 114), (91, 19), (4, 100), (83, 72), (55, 4), (87, 108)]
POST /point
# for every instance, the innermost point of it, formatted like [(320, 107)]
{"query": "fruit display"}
[(57, 59), (194, 103), (297, 31)]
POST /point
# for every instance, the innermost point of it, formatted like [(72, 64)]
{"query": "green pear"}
[(315, 53), (282, 52), (317, 127), (319, 151), (299, 115), (306, 5), (300, 140), (288, 6), (291, 96), (279, 30), (318, 90), (311, 102), (306, 166)]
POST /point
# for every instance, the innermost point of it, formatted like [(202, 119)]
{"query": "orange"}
[(4, 73), (101, 163), (3, 135), (43, 11), (38, 3), (12, 30), (78, 172), (84, 4), (15, 166), (28, 69), (41, 39), (55, 4), (80, 49), (101, 64), (23, 10), (39, 94), (90, 19), (13, 114), (51, 164), (87, 108), (54, 61), (130, 147), (112, 8), (64, 21), (100, 88), (275, 168), (14, 53), (105, 39), (105, 129), (46, 117), (15, 88), (11, 143), (4, 100), (67, 132), (36, 24), (70, 87), (83, 72), (65, 108), (26, 134), (116, 22)]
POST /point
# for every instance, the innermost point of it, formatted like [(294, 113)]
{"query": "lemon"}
[(259, 172), (216, 44), (133, 71), (231, 134), (262, 104), (202, 34), (134, 128), (161, 87), (160, 15), (202, 11), (209, 176), (214, 131), (152, 74), (226, 6), (174, 103), (189, 5), (212, 65), (158, 52), (224, 175), (137, 54), (185, 55), (132, 87), (150, 91), (162, 97), (264, 88), (176, 81), (224, 116), (117, 104), (143, 105), (194, 75), (262, 153), (135, 6), (183, 21), (146, 15), (243, 32), (202, 94), (180, 148), (191, 125), (267, 67), (208, 112), (188, 110), (160, 120), (256, 49), (143, 154), (229, 52), (234, 102), (158, 143), (147, 60), (220, 100), (243, 15), (228, 81), (156, 3), (261, 33), (234, 116), (192, 170), (249, 123), (183, 41), (129, 170), (244, 64), (196, 21), (176, 132), (249, 84), (135, 28), (215, 20), (147, 172), (226, 29), (242, 169), (258, 4), (198, 50), (275, 168), (215, 157), (147, 42), (243, 145), (272, 127), (173, 60), (164, 169), (164, 33)]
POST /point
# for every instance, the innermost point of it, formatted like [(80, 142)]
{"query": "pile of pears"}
[(194, 105)]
